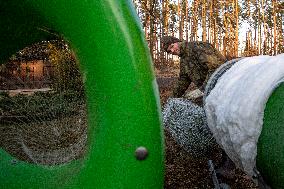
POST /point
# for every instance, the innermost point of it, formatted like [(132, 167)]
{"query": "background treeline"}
[(235, 27)]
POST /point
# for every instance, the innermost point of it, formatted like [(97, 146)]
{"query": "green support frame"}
[(122, 95)]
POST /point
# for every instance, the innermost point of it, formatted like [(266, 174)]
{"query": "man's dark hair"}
[(166, 41)]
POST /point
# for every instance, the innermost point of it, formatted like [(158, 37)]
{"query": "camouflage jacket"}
[(198, 60)]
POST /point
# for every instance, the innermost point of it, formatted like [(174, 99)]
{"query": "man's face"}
[(174, 49)]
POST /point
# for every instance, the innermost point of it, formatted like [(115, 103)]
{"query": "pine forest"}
[(235, 27)]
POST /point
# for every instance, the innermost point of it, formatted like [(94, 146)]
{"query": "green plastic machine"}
[(125, 139)]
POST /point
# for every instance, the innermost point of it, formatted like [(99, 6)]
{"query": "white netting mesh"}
[(235, 106)]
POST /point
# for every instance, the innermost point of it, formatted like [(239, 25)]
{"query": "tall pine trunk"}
[(274, 3), (194, 25), (203, 18), (237, 28)]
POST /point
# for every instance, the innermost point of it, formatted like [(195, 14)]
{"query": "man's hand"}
[(194, 94)]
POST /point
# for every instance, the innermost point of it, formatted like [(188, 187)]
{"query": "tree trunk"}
[(225, 28), (181, 19), (280, 34), (259, 31), (165, 17), (210, 24), (215, 26), (264, 29), (186, 20), (146, 21), (194, 20), (236, 48), (203, 12), (274, 3), (151, 9)]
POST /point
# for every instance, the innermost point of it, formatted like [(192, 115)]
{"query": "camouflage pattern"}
[(167, 40), (198, 60)]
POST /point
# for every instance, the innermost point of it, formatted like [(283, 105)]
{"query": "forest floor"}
[(182, 170)]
